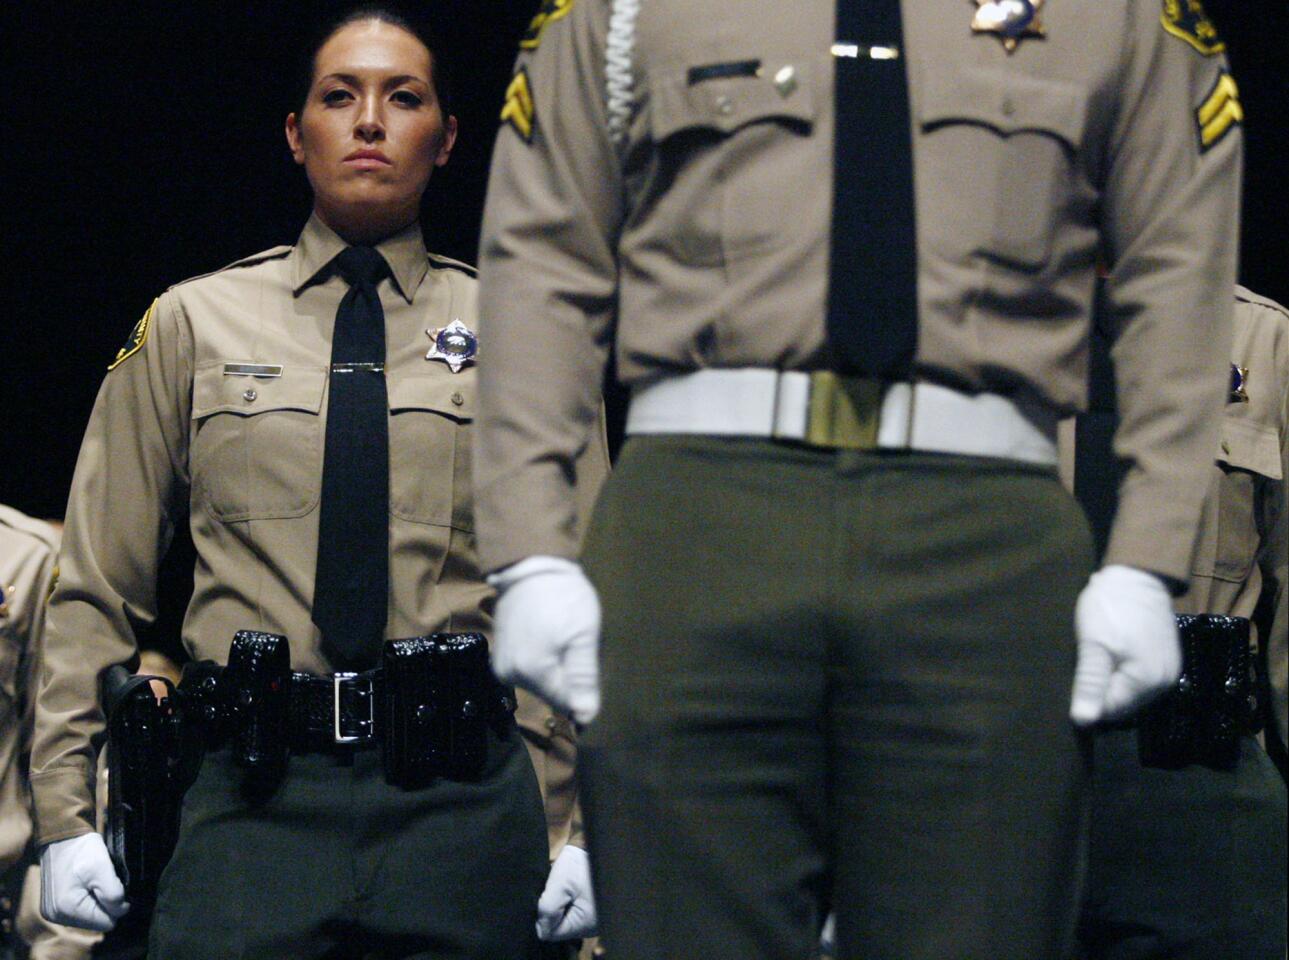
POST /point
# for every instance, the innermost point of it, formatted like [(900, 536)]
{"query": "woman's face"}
[(371, 132)]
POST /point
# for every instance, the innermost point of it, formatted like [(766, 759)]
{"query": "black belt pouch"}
[(256, 691), (439, 698), (1201, 719), (146, 780)]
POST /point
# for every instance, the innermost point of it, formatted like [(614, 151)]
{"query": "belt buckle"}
[(349, 690), (844, 413)]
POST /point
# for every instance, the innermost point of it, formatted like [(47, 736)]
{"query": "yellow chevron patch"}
[(1186, 20), (138, 336), (550, 11), (1219, 112), (519, 111)]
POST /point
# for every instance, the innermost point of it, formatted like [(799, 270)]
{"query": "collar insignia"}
[(1011, 20), (456, 345), (1239, 380)]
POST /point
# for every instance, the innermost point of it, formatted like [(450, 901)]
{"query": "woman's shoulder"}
[(273, 255)]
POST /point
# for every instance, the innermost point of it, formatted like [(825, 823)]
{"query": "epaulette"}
[(38, 529), (1248, 296), (273, 253), (440, 262)]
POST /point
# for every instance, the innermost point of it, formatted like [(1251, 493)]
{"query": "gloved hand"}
[(566, 909), (1129, 651), (78, 886), (547, 633), (828, 936)]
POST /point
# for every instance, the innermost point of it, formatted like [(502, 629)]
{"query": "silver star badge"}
[(456, 345), (1012, 20)]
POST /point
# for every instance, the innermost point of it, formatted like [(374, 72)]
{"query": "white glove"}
[(78, 886), (566, 910), (828, 936), (547, 633), (1129, 651)]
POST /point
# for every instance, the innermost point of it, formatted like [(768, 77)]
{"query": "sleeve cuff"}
[(63, 802)]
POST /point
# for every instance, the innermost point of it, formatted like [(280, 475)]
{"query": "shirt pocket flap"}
[(1007, 102), (453, 397), (775, 91), (297, 388), (1250, 446)]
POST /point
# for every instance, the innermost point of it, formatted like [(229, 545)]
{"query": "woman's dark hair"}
[(385, 13)]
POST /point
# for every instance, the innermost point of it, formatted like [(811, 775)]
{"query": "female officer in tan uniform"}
[(243, 404)]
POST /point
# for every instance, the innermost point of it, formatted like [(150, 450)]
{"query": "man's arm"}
[(548, 288), (1170, 226)]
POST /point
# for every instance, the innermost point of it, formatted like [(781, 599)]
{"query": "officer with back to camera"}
[(845, 253)]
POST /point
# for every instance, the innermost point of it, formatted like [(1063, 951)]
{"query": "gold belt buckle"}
[(845, 412)]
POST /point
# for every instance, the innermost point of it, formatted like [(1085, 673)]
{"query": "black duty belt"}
[(428, 706)]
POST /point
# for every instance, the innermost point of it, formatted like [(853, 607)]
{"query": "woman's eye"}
[(336, 97), (407, 98)]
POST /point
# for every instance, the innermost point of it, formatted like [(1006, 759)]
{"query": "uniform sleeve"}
[(1274, 554), (1170, 225), (33, 655), (129, 488), (548, 283)]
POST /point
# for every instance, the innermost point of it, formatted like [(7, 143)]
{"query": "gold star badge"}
[(1011, 20)]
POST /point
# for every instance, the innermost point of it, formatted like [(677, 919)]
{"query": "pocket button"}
[(250, 395)]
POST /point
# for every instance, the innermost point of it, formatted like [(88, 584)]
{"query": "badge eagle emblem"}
[(1011, 20), (456, 345)]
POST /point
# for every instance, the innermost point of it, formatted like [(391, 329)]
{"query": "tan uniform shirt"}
[(28, 569), (705, 236), (180, 430), (1243, 546)]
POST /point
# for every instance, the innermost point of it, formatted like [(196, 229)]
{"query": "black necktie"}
[(351, 586), (872, 295)]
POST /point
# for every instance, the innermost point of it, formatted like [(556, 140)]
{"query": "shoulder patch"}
[(519, 112), (1186, 20), (138, 337), (550, 11), (440, 262), (1219, 112)]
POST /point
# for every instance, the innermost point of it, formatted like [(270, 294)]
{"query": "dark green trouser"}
[(1184, 864), (834, 677), (339, 864)]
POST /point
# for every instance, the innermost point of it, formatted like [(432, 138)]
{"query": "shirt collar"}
[(319, 244)]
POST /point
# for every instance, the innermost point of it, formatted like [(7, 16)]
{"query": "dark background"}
[(144, 146)]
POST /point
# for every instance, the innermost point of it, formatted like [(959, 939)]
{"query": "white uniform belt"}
[(827, 410)]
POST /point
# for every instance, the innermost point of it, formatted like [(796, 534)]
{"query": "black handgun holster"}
[(148, 772), (1212, 705)]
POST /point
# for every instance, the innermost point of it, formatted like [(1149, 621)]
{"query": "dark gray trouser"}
[(1184, 864), (834, 677), (339, 864)]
